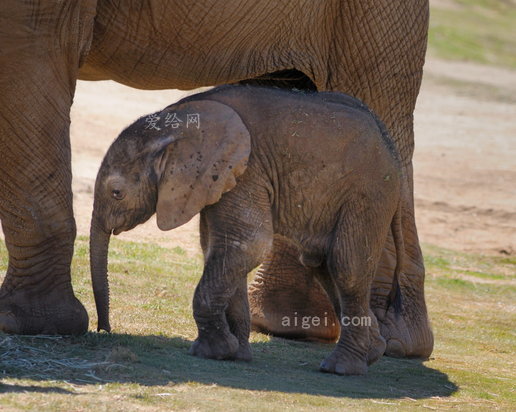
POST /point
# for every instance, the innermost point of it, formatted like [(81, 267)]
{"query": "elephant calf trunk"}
[(99, 245)]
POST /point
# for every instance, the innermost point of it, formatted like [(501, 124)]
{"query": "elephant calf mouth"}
[(130, 219)]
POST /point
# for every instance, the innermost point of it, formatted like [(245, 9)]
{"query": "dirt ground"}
[(464, 162), (465, 158)]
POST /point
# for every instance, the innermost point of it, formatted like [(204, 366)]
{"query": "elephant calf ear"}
[(203, 163)]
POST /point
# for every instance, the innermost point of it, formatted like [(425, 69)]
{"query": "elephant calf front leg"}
[(232, 247), (214, 340), (221, 310), (239, 320)]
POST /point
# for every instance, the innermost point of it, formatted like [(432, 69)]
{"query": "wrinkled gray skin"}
[(316, 169)]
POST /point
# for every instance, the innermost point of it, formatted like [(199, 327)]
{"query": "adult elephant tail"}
[(394, 298)]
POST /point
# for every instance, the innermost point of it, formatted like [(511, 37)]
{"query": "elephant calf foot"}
[(217, 347), (60, 318), (377, 343), (342, 363), (244, 352)]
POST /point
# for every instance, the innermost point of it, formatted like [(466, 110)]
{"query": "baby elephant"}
[(317, 168)]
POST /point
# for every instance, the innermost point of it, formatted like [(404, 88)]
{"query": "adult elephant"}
[(371, 49)]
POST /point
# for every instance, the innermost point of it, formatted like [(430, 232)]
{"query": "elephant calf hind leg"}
[(351, 264)]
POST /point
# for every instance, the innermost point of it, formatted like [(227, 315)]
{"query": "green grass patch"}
[(481, 31), (485, 266), (144, 364)]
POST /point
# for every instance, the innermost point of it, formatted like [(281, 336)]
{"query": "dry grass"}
[(38, 361)]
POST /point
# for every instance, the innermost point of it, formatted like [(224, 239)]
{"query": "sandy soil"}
[(465, 158)]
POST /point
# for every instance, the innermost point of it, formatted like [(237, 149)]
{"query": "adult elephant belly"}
[(183, 46)]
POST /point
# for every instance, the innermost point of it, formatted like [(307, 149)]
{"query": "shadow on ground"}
[(14, 388), (278, 365)]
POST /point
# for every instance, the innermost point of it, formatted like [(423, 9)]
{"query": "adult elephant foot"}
[(286, 300), (58, 314), (408, 334), (40, 302)]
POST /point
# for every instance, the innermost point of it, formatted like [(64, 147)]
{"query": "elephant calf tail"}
[(395, 299)]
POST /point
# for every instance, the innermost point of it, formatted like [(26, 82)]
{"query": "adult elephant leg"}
[(42, 45), (408, 334), (378, 57), (286, 299), (387, 76)]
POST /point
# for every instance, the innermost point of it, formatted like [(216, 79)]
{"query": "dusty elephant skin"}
[(373, 50), (317, 169)]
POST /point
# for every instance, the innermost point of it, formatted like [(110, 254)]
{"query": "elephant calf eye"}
[(117, 194)]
